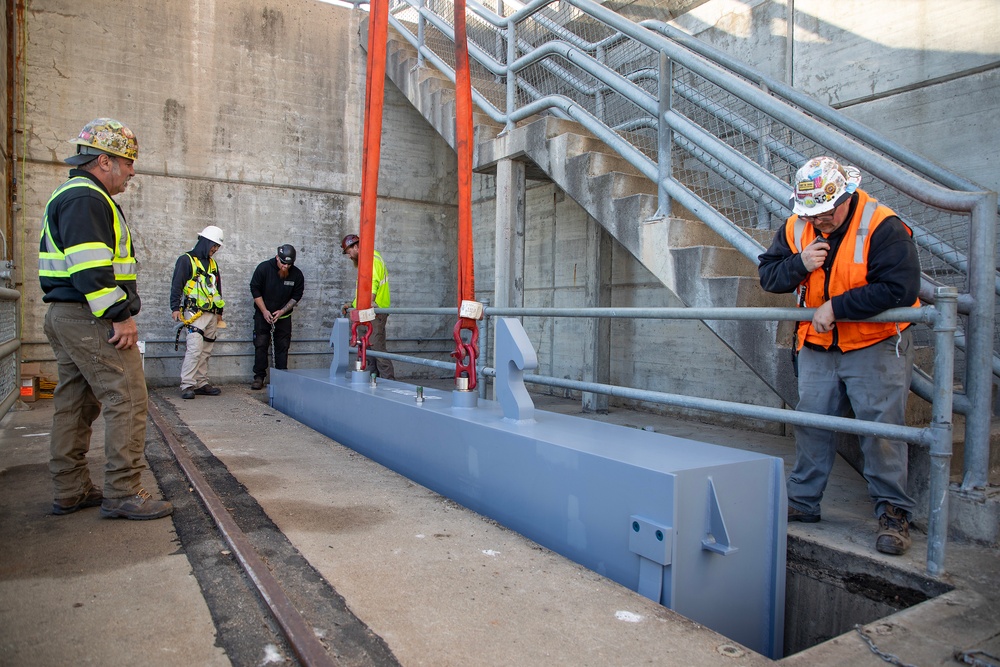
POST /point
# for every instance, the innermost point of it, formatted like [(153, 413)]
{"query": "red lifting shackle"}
[(465, 351), (363, 341)]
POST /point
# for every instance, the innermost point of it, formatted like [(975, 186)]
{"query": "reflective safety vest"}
[(54, 262), (380, 283), (849, 270), (202, 289)]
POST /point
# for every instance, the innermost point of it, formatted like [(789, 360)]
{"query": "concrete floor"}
[(438, 584)]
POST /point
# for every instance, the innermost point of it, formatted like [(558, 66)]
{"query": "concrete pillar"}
[(598, 366), (509, 282)]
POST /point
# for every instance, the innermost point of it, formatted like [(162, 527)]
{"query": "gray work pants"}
[(93, 374), (875, 382), (197, 350)]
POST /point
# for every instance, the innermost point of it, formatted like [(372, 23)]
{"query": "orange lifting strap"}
[(374, 101), (465, 353)]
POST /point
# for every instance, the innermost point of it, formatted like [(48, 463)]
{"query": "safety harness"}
[(207, 299)]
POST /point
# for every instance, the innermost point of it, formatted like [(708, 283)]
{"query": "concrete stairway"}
[(683, 253)]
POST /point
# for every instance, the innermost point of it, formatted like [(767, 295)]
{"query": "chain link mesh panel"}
[(9, 380)]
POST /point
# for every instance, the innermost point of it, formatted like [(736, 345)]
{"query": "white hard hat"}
[(822, 184), (213, 234)]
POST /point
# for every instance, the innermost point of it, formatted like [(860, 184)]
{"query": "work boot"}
[(803, 517), (90, 498), (187, 393), (893, 531), (208, 390), (140, 507), (258, 383)]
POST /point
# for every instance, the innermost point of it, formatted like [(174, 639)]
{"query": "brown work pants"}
[(93, 374), (377, 342)]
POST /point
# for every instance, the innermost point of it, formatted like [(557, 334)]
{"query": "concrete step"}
[(720, 262), (572, 144), (596, 164)]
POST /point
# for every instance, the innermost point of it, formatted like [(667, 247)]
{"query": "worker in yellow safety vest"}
[(196, 303), (380, 299), (87, 271)]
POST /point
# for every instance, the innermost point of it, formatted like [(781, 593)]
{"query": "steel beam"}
[(697, 527)]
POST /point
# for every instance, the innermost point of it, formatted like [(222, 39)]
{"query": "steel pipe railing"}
[(937, 436)]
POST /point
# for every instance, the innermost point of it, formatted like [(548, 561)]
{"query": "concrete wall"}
[(923, 73), (249, 117)]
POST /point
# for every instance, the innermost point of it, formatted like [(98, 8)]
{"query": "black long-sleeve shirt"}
[(893, 269), (275, 290)]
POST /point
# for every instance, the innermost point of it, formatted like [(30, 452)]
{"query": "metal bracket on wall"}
[(717, 537), (653, 542)]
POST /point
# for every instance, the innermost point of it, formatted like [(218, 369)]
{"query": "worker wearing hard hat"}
[(276, 286), (850, 258), (351, 245), (87, 271), (196, 302)]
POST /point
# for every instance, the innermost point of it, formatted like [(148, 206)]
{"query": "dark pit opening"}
[(828, 592)]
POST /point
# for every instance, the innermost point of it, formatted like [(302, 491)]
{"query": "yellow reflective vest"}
[(76, 262), (380, 283), (202, 289)]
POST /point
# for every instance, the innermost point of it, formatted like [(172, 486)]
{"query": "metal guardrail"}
[(10, 344), (936, 436), (723, 141)]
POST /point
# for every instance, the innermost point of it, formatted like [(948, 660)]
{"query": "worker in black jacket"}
[(276, 287)]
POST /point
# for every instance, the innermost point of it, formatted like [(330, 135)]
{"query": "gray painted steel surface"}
[(697, 527)]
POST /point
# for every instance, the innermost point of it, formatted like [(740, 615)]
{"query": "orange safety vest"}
[(849, 270)]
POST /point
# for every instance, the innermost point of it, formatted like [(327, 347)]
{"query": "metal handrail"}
[(937, 436)]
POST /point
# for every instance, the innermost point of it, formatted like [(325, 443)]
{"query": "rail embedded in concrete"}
[(301, 637), (937, 436), (899, 169)]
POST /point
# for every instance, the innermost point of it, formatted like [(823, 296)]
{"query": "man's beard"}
[(283, 272)]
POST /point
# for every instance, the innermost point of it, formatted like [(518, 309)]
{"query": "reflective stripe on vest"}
[(56, 263), (201, 287), (53, 262)]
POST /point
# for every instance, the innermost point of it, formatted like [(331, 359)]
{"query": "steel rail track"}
[(303, 641)]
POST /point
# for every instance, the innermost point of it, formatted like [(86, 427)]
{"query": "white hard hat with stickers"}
[(822, 184)]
